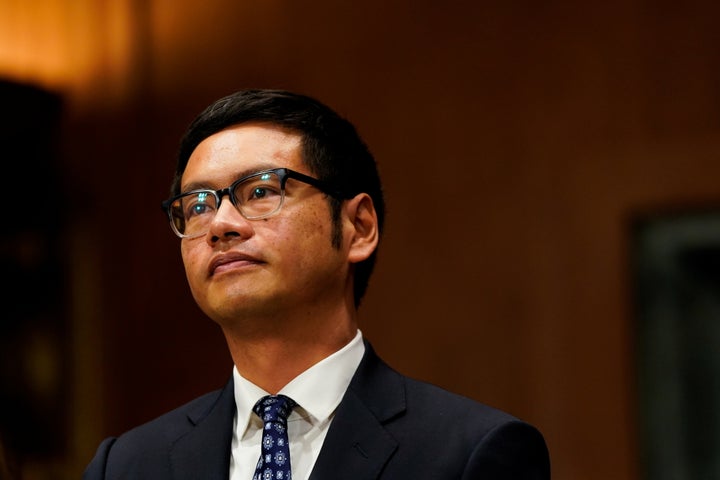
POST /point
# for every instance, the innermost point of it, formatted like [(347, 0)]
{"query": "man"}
[(279, 208)]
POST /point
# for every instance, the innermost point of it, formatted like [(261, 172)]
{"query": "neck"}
[(270, 352)]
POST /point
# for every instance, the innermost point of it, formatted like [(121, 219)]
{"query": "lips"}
[(231, 260)]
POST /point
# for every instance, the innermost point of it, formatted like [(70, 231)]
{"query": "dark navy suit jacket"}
[(387, 426)]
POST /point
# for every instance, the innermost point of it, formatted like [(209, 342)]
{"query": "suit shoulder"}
[(144, 451), (418, 399), (490, 439), (170, 425)]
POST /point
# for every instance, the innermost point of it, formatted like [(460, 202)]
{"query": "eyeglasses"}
[(255, 196)]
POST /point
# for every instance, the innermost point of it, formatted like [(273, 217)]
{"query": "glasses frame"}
[(283, 173)]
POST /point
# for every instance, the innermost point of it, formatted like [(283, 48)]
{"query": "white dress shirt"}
[(317, 391)]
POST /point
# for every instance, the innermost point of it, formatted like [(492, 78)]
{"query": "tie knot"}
[(274, 408)]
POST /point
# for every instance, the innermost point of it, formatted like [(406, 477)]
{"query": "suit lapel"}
[(204, 451), (357, 445)]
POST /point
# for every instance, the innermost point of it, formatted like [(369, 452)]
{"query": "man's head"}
[(331, 149)]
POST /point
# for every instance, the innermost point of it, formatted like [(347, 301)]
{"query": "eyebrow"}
[(202, 185)]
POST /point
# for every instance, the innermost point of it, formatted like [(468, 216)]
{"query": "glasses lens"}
[(260, 195), (192, 213)]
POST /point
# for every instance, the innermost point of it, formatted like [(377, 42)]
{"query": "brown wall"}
[(517, 141)]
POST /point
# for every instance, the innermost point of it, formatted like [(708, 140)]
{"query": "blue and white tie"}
[(274, 462)]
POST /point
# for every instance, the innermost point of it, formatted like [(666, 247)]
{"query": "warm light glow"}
[(78, 47)]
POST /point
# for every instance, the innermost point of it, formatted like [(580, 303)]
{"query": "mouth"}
[(231, 261)]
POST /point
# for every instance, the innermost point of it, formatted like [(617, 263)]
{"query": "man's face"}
[(244, 269)]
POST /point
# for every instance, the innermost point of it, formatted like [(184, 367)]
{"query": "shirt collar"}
[(318, 390)]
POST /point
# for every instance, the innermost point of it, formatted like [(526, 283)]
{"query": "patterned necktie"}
[(274, 462)]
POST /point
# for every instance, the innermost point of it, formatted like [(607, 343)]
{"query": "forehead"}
[(242, 149)]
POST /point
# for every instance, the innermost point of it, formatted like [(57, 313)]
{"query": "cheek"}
[(312, 241), (191, 259), (310, 229), (298, 240)]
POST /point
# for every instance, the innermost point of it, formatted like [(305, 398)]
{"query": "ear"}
[(361, 227)]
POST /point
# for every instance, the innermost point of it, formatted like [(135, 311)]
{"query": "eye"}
[(198, 209), (198, 204), (260, 188), (258, 193)]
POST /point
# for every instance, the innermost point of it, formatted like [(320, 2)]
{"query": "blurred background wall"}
[(519, 143)]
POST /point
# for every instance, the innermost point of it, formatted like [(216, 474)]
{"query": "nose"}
[(228, 223)]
